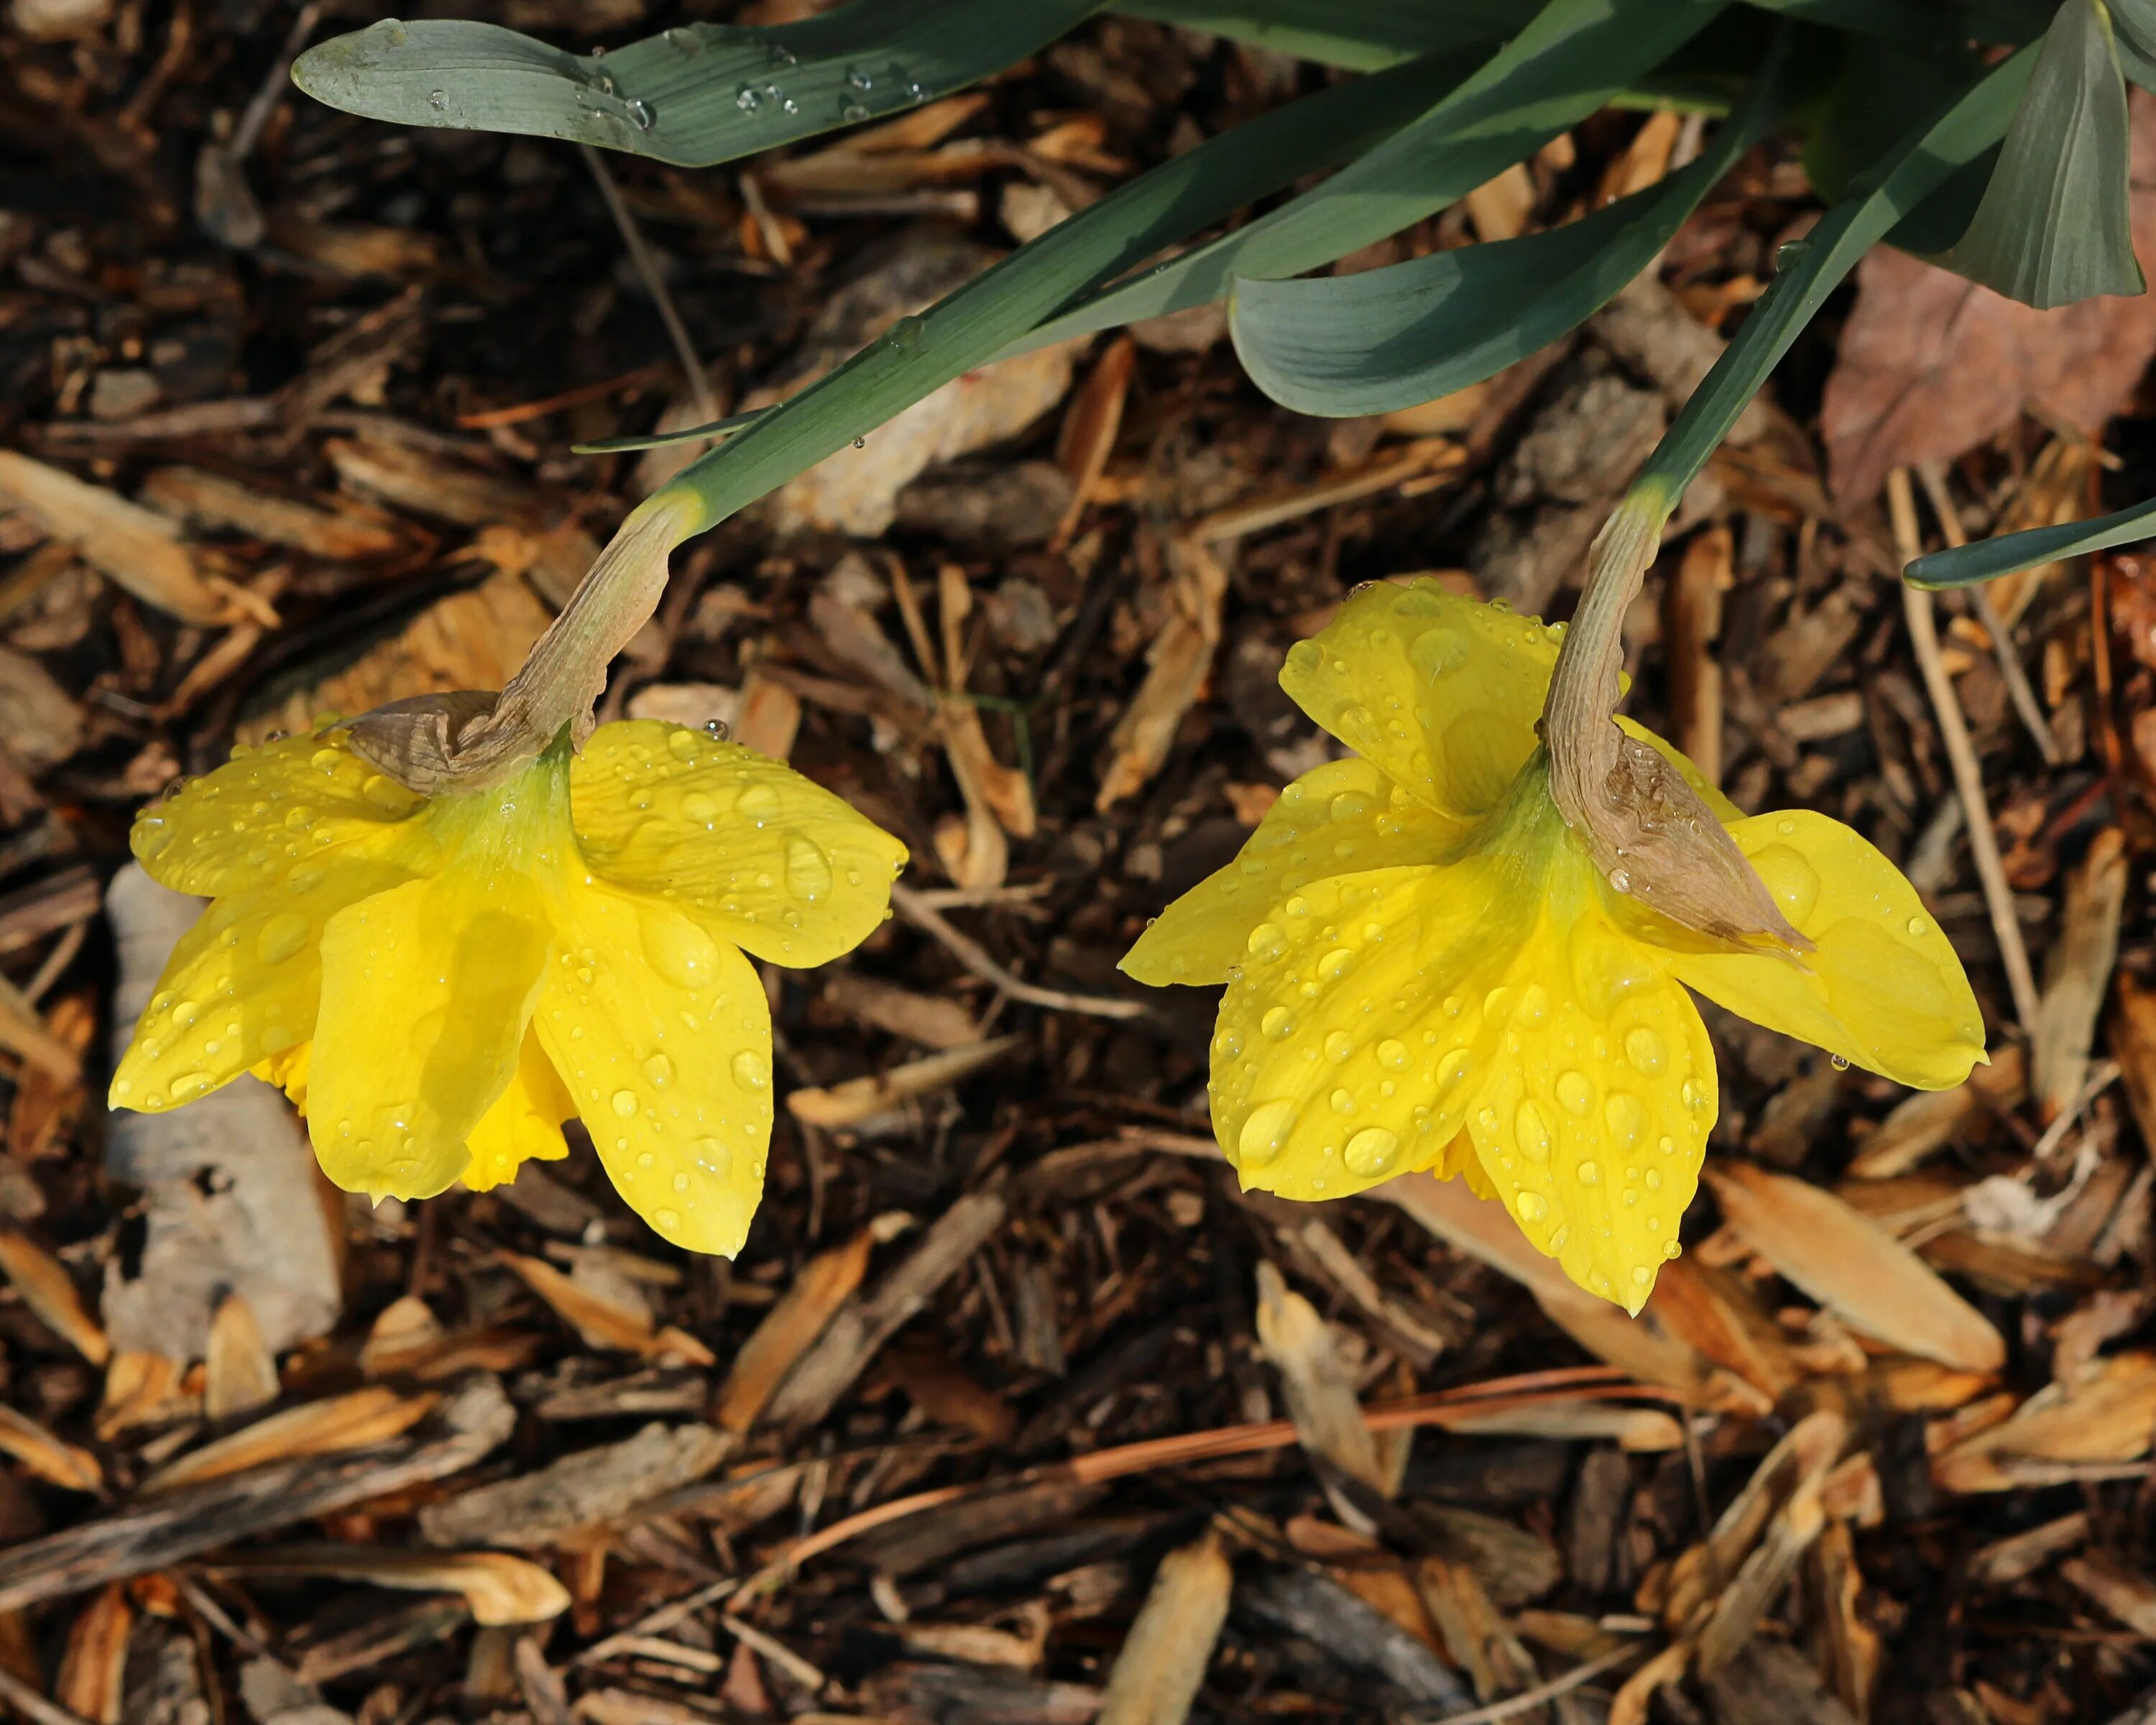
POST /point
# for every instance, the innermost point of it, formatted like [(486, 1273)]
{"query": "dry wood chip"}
[(133, 547), (475, 639), (1692, 623), (41, 724), (2019, 1556), (171, 1527), (1500, 207), (2126, 1594), (239, 1371), (345, 532), (1928, 1121), (421, 481), (587, 1488), (328, 1427), (1329, 1256), (936, 1020), (499, 1588), (859, 1099), (790, 1328), (1156, 1677), (46, 1456), (142, 1389), (1716, 1311), (43, 1285), (1854, 1267), (854, 1336), (94, 1666), (1485, 1229), (1322, 1612), (1359, 1563), (1478, 1639), (1178, 663), (1089, 431), (2108, 1416), (1319, 1389), (2076, 973), (605, 1323)]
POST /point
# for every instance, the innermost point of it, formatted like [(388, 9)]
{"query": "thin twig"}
[(1527, 1699), (2018, 686), (971, 953), (1961, 753), (654, 284), (32, 1706)]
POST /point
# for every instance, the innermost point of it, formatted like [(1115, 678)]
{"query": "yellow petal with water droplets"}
[(1342, 818), (242, 985), (1442, 693), (1591, 1120), (1347, 1048), (795, 873), (1884, 989), (662, 1034), (426, 992), (289, 805), (525, 1123)]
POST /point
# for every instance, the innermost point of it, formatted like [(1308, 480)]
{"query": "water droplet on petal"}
[(1533, 1207), (1339, 1045), (1590, 1173), (624, 1103), (808, 869), (750, 1071), (1371, 1153), (1644, 1048), (281, 936), (659, 1070), (1532, 1133), (1393, 1053), (1574, 1091), (1264, 1133), (1278, 1023)]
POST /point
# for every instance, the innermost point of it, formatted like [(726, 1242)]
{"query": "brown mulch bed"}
[(287, 400)]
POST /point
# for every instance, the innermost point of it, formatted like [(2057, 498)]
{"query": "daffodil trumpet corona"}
[(1428, 965)]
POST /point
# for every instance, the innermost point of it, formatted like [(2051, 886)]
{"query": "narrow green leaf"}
[(1388, 338), (1565, 65), (966, 327), (1365, 36), (693, 95), (2133, 31), (1812, 269), (2053, 226), (1988, 559)]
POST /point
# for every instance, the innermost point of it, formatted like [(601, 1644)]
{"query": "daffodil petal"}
[(289, 1070), (1440, 692), (662, 1034), (1884, 989), (525, 1123), (1591, 1121), (1343, 818), (240, 986), (270, 814), (426, 992), (795, 873), (1347, 1048)]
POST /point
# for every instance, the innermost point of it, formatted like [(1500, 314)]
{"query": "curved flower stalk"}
[(1426, 969), (440, 982)]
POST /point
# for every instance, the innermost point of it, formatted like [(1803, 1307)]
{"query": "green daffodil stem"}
[(1646, 826), (470, 739)]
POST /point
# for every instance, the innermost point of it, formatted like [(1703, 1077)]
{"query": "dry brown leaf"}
[(45, 1287), (131, 547), (239, 1371), (405, 1331), (500, 1588), (421, 482), (329, 1427), (826, 1282), (93, 1668), (1932, 365), (1500, 207), (1090, 425), (1853, 1266), (1163, 1660), (46, 1456), (858, 1099), (2108, 1416), (934, 1020), (1927, 1121), (1697, 1583), (142, 1388), (605, 1323)]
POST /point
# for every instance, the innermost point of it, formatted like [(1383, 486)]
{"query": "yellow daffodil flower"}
[(439, 983), (1424, 970)]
